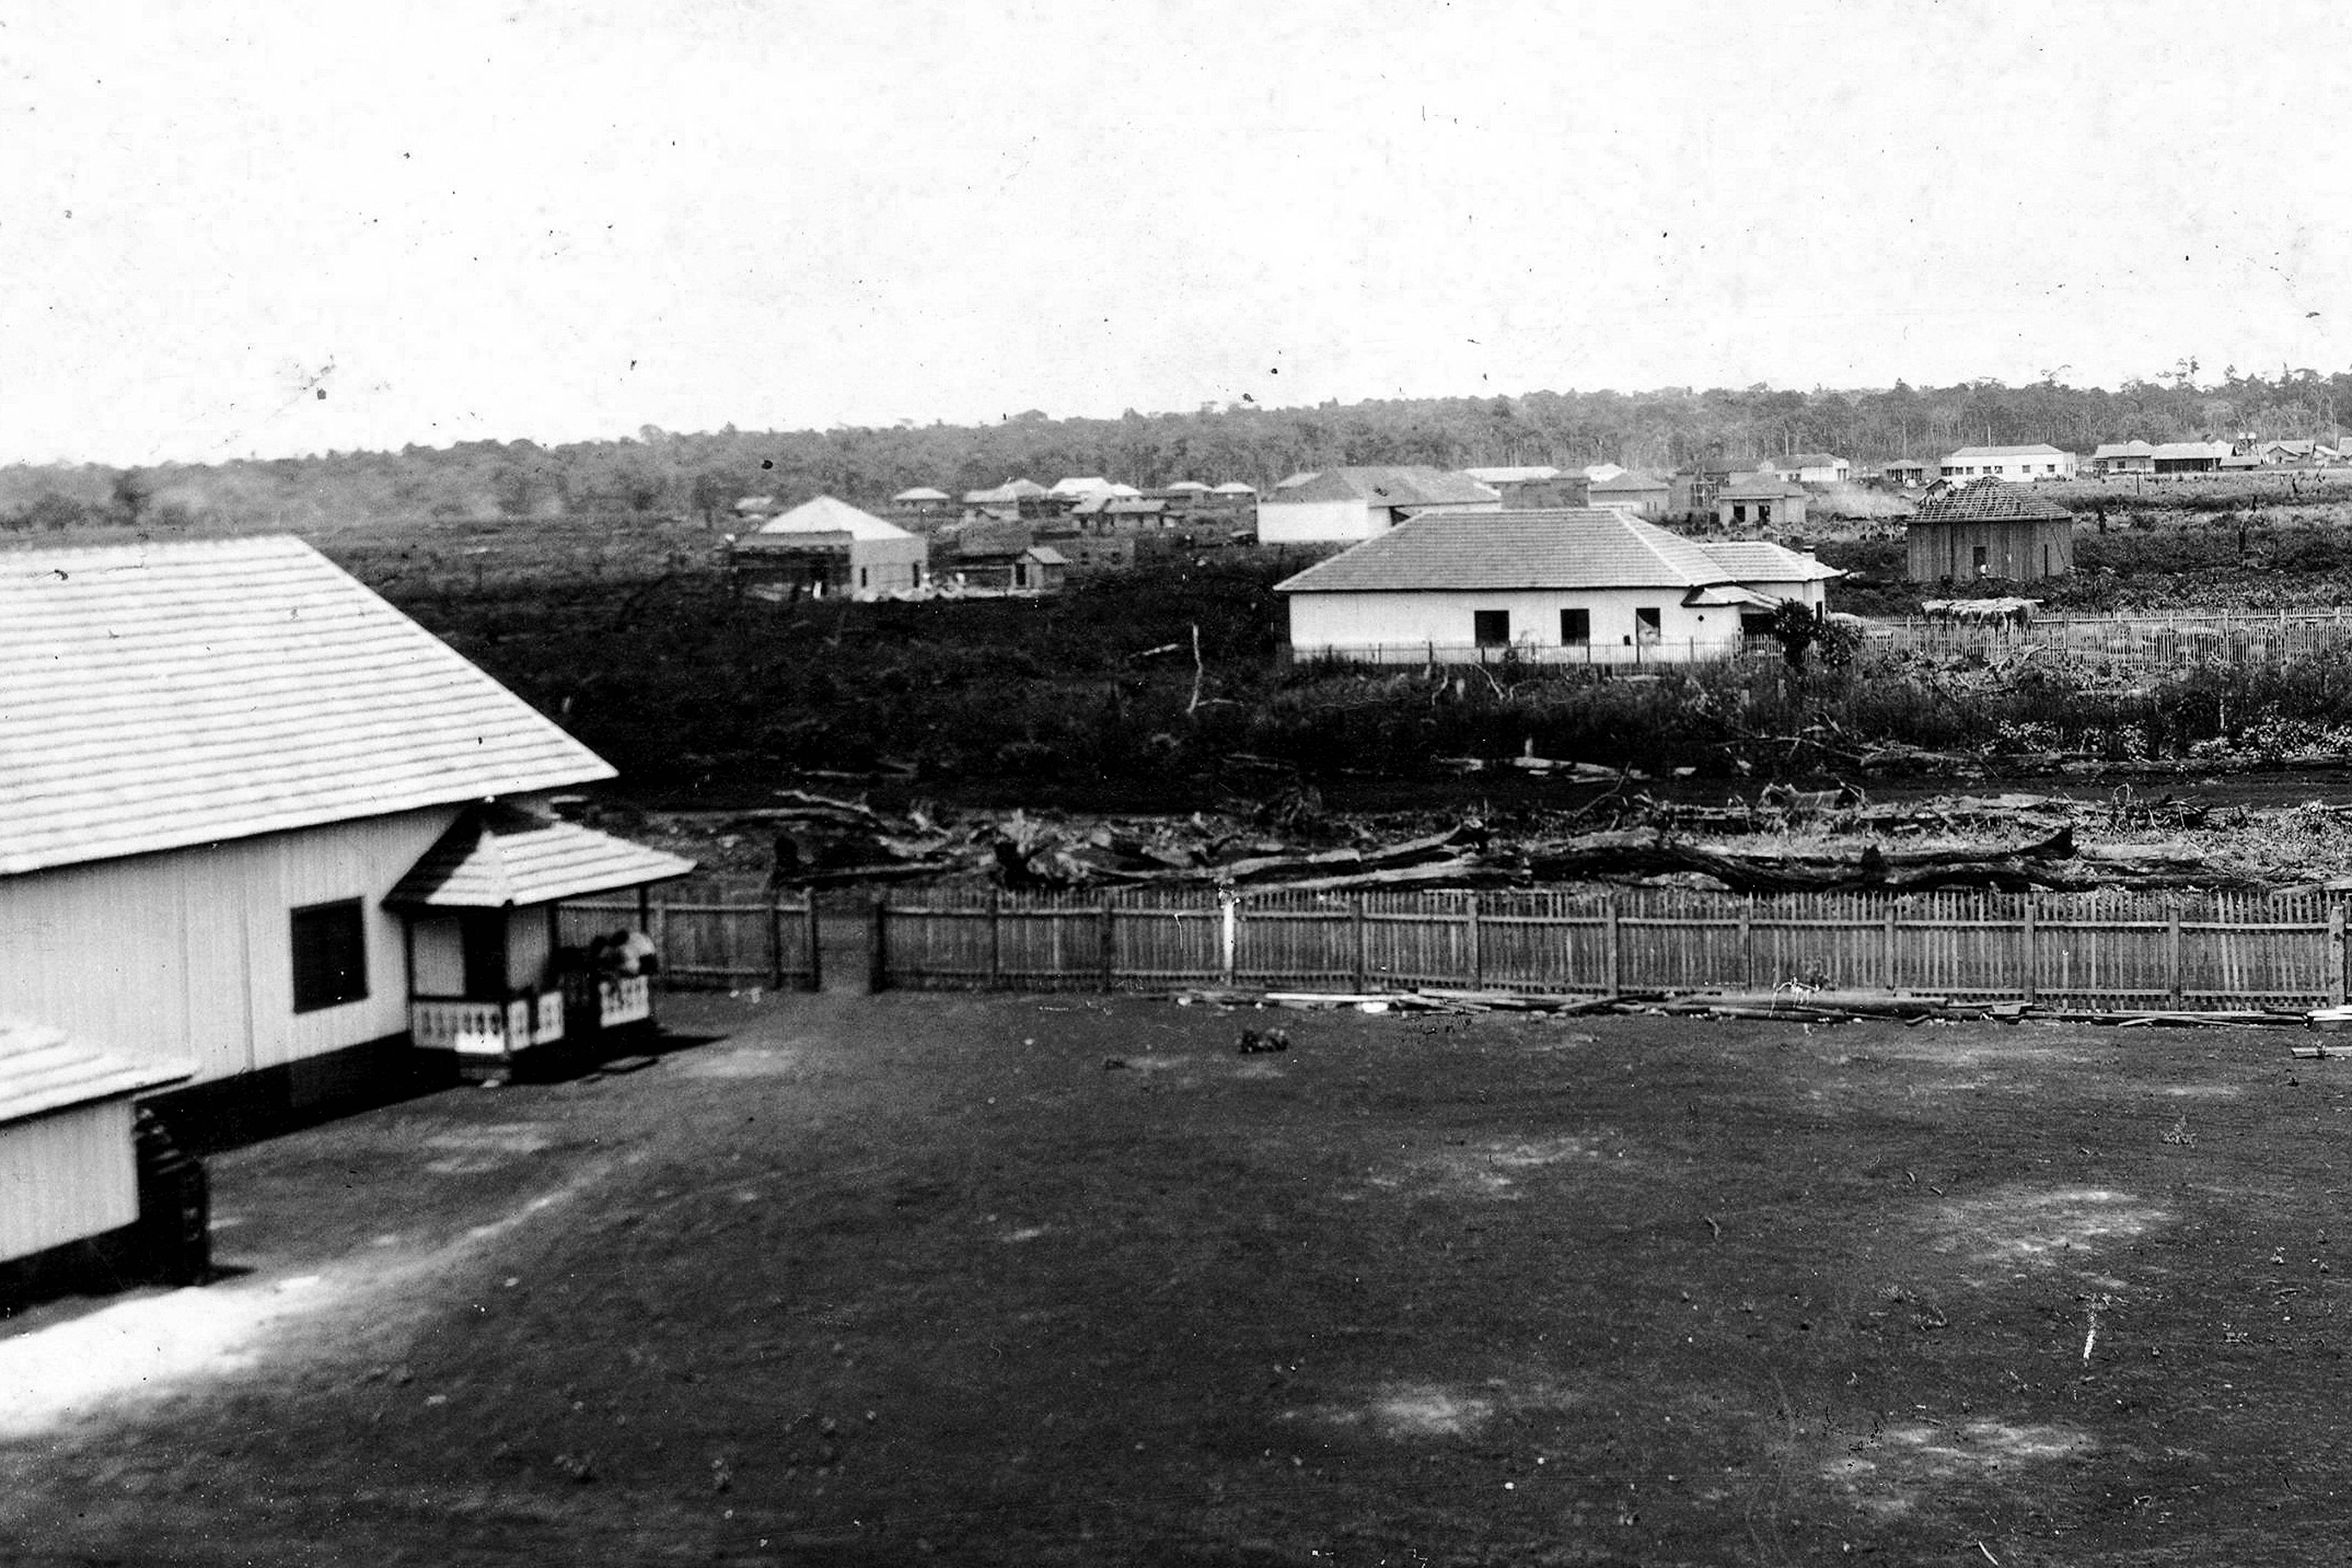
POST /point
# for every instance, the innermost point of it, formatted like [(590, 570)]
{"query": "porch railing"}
[(485, 1028)]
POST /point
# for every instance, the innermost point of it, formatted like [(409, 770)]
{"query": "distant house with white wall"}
[(1344, 505), (1908, 473), (825, 547), (1810, 468), (921, 503), (2111, 458), (2296, 454), (2019, 465), (1632, 491), (1578, 586), (218, 760)]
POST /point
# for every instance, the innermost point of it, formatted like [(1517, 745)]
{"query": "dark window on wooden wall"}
[(330, 955)]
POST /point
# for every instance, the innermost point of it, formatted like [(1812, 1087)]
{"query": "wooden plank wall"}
[(711, 944)]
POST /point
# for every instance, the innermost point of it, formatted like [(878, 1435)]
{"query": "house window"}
[(1491, 628), (1647, 624), (861, 576), (1763, 511), (2045, 561), (1575, 627), (330, 955), (1980, 560), (1738, 512)]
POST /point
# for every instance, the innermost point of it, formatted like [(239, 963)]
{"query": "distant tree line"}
[(659, 473)]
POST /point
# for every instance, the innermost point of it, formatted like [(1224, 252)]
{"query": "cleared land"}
[(869, 1280)]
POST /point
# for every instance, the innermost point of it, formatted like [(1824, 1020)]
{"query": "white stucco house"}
[(260, 829), (1810, 468), (2019, 465), (1582, 586), (1344, 505)]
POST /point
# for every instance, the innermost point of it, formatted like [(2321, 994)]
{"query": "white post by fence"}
[(2032, 950), (2335, 955), (1229, 908)]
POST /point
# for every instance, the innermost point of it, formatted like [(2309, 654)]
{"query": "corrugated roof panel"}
[(160, 695), (1546, 548), (44, 1069)]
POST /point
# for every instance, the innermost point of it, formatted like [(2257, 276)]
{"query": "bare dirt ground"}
[(878, 1280)]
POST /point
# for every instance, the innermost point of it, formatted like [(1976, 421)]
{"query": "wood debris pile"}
[(1787, 1005), (1786, 841)]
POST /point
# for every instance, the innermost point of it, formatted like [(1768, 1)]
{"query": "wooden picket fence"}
[(708, 944), (2171, 640), (2223, 951)]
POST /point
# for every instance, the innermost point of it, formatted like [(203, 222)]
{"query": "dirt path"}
[(1065, 1280)]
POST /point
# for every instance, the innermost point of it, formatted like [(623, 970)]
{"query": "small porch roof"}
[(495, 857), (45, 1069)]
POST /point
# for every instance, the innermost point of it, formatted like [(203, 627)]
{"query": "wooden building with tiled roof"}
[(218, 762), (1989, 529)]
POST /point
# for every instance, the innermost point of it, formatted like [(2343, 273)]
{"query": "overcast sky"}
[(564, 221)]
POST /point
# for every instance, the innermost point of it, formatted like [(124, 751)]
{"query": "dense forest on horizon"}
[(661, 473)]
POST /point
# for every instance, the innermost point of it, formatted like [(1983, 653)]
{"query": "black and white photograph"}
[(1222, 785)]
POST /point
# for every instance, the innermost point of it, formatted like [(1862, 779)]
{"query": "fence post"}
[(2172, 954), (1363, 975), (1746, 940), (878, 976), (775, 912), (810, 930), (2335, 955), (1110, 938), (1893, 981), (1477, 963), (2032, 945), (1609, 948), (995, 937), (1229, 912)]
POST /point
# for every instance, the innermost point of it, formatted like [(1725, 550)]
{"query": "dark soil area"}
[(1065, 1280)]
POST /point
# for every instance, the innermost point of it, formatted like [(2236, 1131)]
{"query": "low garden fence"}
[(2217, 951)]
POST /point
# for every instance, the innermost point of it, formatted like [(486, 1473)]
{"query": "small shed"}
[(1760, 500), (69, 1158), (1989, 529)]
